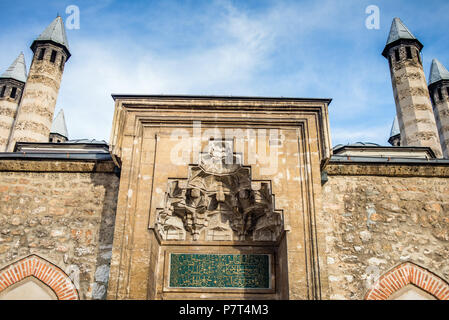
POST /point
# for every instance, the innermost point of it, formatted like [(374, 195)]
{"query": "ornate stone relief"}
[(218, 202)]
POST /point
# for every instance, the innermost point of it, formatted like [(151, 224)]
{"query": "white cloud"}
[(98, 69), (283, 48)]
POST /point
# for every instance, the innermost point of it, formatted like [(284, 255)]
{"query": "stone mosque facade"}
[(211, 197)]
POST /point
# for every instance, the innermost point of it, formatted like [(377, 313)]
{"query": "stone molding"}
[(141, 106)]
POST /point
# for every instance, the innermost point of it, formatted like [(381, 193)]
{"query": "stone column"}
[(439, 93), (35, 114), (10, 95)]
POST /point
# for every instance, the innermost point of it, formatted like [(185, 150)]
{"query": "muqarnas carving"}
[(219, 201)]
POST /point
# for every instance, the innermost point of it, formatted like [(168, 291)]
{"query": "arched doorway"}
[(411, 292), (29, 288), (409, 282), (34, 278)]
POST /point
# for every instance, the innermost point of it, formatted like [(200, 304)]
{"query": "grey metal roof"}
[(59, 126), (357, 159), (356, 144), (372, 150), (63, 147), (56, 156), (399, 31), (17, 70), (438, 72), (395, 128), (55, 32), (86, 141), (187, 96)]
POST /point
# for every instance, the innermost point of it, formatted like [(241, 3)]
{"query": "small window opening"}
[(408, 50), (53, 56), (13, 93), (419, 56), (447, 89), (41, 54), (62, 63), (440, 94), (396, 54), (2, 93), (389, 62)]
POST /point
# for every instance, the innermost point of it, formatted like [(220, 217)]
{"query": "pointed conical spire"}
[(395, 133), (399, 31), (55, 32), (395, 128), (438, 72), (17, 70), (59, 126)]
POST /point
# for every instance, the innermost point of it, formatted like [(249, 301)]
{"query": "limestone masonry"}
[(209, 197)]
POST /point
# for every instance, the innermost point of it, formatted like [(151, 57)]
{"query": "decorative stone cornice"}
[(387, 169), (57, 166)]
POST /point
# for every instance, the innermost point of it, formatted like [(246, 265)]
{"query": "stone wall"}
[(375, 222), (66, 218)]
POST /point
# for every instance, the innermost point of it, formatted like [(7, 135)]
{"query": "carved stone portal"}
[(219, 202)]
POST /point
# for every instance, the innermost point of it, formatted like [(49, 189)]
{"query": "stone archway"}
[(408, 274), (43, 270)]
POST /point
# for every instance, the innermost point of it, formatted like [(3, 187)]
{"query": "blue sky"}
[(318, 49)]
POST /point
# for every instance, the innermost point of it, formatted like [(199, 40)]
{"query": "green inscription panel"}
[(231, 271)]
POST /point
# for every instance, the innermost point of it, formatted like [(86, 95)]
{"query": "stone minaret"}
[(35, 113), (12, 82), (413, 106), (439, 93)]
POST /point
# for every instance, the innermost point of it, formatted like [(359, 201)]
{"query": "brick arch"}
[(405, 274), (45, 271)]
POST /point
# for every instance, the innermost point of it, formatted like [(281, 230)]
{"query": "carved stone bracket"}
[(219, 202)]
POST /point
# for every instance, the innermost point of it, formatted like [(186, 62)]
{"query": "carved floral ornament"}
[(219, 201)]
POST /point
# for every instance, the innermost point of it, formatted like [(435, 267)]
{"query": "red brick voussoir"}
[(45, 271), (404, 274)]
